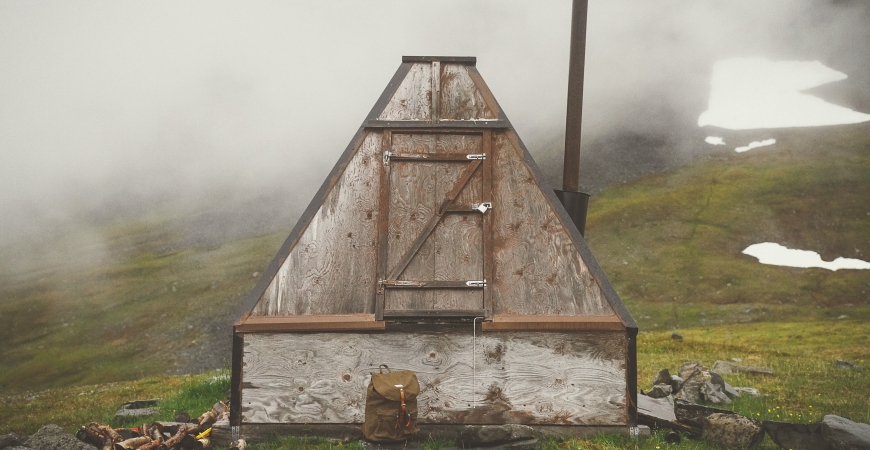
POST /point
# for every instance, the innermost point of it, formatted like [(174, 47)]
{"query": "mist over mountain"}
[(229, 115)]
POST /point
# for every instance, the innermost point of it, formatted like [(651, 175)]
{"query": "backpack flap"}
[(385, 384)]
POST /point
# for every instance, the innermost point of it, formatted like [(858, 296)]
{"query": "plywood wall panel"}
[(524, 377), (460, 97), (537, 269), (413, 98), (332, 268)]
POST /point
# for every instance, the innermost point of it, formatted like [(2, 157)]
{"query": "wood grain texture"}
[(453, 251), (412, 99), (522, 377), (332, 268), (460, 97), (553, 323), (333, 322), (537, 269)]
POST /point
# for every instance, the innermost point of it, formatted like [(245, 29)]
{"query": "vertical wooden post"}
[(236, 380), (574, 119)]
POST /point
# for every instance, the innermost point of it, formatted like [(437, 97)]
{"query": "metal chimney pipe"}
[(574, 118), (575, 202)]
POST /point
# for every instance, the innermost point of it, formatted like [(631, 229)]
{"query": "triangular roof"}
[(540, 263)]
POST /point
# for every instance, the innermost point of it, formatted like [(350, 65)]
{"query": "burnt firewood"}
[(238, 445), (183, 430), (107, 432), (153, 445), (201, 444), (90, 436), (206, 419), (169, 427)]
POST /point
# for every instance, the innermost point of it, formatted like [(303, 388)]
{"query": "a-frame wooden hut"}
[(435, 246)]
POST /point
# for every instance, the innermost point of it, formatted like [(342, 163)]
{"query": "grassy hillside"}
[(134, 298), (672, 243)]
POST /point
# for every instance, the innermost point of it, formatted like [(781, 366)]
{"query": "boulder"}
[(694, 414), (694, 376), (10, 440), (53, 437), (843, 434), (797, 436), (730, 391), (676, 336), (713, 393), (725, 367), (138, 408), (663, 377), (752, 392), (660, 391), (732, 431)]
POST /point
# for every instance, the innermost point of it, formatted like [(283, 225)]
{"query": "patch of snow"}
[(749, 93), (713, 140), (778, 255), (755, 144)]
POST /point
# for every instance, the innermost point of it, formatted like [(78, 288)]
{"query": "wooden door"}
[(435, 217)]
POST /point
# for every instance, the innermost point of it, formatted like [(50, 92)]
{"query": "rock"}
[(725, 367), (22, 448), (843, 434), (138, 408), (182, 416), (676, 336), (752, 392), (732, 431), (730, 391), (660, 391), (10, 440), (694, 414), (663, 377), (53, 437), (797, 436), (676, 382), (490, 435), (695, 376), (846, 365), (713, 393)]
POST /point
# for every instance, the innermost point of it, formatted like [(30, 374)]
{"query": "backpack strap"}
[(384, 366), (403, 415)]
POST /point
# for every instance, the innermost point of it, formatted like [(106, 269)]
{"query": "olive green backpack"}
[(391, 405)]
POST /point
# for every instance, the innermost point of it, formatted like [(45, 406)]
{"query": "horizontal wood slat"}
[(434, 313), (429, 157), (552, 323), (402, 284), (444, 123), (338, 322)]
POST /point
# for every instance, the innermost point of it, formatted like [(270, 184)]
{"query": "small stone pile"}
[(673, 403)]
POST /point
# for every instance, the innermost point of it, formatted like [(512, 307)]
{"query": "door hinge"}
[(476, 283), (476, 156), (482, 207)]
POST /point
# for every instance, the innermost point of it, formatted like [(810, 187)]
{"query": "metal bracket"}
[(476, 283), (482, 207), (476, 156), (234, 432), (387, 155), (634, 431)]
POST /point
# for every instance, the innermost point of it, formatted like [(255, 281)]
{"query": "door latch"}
[(476, 156), (476, 283), (387, 155), (482, 207)]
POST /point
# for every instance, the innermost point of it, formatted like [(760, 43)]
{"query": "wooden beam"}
[(338, 322), (502, 322), (434, 313)]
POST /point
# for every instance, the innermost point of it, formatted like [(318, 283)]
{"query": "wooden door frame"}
[(447, 206)]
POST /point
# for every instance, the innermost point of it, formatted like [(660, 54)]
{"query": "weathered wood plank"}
[(521, 377), (460, 97), (537, 269), (413, 197), (458, 238), (331, 270), (553, 323), (337, 322), (411, 100)]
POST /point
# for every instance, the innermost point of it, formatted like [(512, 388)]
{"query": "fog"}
[(116, 108)]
